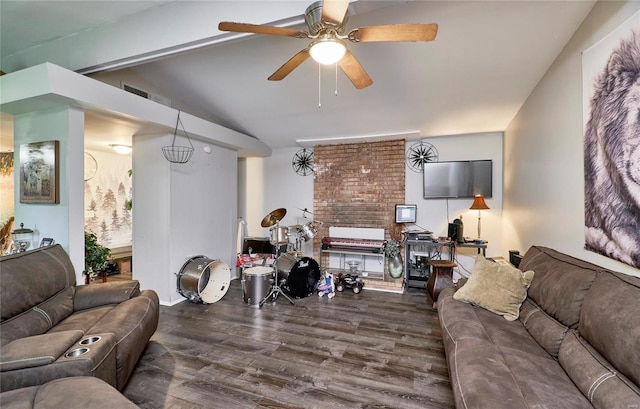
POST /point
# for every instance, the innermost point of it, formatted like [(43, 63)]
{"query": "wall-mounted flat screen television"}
[(406, 213), (461, 179)]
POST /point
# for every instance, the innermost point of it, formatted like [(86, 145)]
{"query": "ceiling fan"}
[(326, 21)]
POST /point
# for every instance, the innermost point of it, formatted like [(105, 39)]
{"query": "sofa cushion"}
[(457, 321), (36, 350), (83, 320), (90, 296), (71, 393), (19, 291), (595, 377), (547, 331), (130, 321), (484, 377), (463, 321), (560, 282), (38, 319), (610, 321), (498, 288)]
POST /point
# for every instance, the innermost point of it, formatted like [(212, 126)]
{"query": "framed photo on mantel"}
[(39, 172)]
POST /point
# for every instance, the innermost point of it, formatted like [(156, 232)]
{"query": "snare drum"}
[(301, 274), (256, 283), (202, 280)]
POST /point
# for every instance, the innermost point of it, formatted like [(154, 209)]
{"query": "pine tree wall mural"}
[(105, 196)]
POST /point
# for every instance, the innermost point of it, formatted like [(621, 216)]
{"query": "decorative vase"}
[(395, 266)]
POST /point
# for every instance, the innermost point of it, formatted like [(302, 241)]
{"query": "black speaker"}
[(456, 232)]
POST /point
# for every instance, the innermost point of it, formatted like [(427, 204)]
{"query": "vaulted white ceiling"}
[(487, 58)]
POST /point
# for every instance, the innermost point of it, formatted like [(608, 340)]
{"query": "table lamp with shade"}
[(479, 204)]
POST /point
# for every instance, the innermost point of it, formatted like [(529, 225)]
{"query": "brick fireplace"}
[(358, 185)]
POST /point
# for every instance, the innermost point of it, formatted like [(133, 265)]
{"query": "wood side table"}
[(441, 278)]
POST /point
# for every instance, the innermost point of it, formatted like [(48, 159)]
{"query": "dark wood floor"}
[(371, 350)]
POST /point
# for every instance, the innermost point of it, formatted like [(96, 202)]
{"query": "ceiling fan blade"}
[(398, 32), (333, 11), (354, 71), (290, 65), (259, 29)]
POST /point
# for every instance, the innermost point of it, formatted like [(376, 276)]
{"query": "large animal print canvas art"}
[(611, 88)]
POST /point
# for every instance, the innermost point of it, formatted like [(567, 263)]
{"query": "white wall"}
[(435, 214), (181, 211), (272, 184), (544, 169), (64, 222), (151, 214)]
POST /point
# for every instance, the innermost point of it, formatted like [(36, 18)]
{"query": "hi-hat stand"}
[(269, 220)]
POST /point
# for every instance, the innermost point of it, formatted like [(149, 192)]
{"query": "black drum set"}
[(292, 274)]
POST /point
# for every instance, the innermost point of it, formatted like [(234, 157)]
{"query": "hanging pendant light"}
[(178, 154)]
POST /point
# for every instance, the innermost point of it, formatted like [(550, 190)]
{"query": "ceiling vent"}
[(144, 94)]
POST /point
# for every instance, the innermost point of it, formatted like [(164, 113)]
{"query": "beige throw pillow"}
[(498, 288)]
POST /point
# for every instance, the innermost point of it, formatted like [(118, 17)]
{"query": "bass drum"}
[(301, 275), (202, 280)]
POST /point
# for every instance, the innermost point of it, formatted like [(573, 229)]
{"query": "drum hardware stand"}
[(298, 244), (269, 220), (304, 215), (275, 288)]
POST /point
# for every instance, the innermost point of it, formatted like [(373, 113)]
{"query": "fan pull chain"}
[(336, 79), (319, 86)]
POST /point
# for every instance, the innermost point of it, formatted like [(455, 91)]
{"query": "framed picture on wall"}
[(39, 172)]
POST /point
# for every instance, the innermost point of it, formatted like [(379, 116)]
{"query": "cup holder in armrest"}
[(90, 340), (76, 352)]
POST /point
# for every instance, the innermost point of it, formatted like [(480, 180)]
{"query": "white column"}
[(64, 222), (181, 211)]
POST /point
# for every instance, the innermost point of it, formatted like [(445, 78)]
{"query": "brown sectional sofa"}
[(50, 328), (576, 343)]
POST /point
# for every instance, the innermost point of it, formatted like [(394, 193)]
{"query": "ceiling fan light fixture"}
[(327, 50)]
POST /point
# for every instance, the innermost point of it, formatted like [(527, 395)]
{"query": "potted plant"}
[(96, 256), (394, 259)]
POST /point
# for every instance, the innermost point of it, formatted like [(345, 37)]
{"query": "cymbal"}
[(296, 226), (273, 217)]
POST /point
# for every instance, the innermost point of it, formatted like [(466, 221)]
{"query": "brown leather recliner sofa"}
[(50, 328), (78, 392), (576, 343)]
